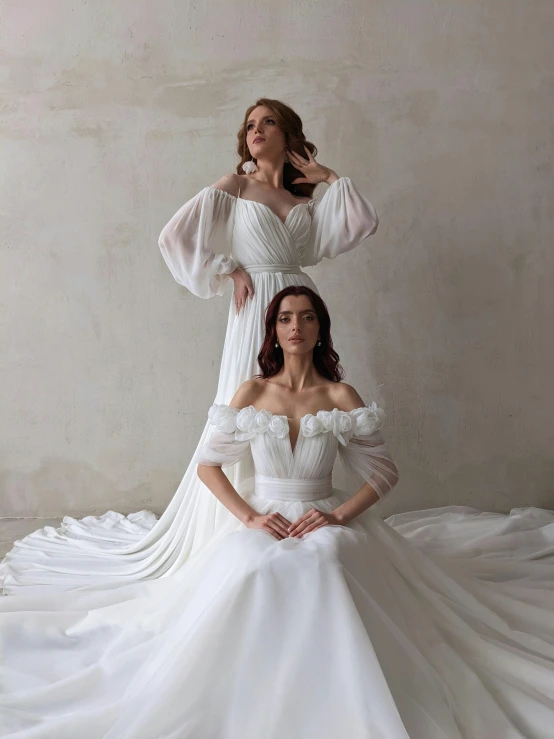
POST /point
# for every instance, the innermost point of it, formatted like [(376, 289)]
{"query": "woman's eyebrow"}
[(263, 119), (288, 312)]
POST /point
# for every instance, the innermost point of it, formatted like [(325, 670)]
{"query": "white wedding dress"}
[(347, 632), (113, 548)]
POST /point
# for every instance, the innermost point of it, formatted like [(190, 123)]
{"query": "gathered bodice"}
[(215, 231), (302, 472), (260, 238)]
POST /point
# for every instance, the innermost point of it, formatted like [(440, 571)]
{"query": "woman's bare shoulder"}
[(248, 393), (229, 183), (345, 397)]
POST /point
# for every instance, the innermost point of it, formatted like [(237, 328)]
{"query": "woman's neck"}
[(298, 373), (269, 173)]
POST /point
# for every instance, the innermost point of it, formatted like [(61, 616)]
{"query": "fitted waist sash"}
[(286, 488), (254, 269)]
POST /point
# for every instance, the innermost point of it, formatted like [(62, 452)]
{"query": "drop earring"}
[(276, 344), (319, 342)]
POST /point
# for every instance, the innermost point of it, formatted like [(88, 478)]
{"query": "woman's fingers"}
[(299, 180), (313, 527), (301, 527), (247, 291), (294, 527), (284, 520), (297, 160), (279, 524)]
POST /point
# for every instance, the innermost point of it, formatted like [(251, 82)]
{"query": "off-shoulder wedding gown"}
[(96, 551), (347, 632)]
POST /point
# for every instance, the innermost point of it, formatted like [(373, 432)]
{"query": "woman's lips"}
[(296, 341), (258, 139)]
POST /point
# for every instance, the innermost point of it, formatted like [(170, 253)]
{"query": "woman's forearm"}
[(218, 483), (358, 503), (333, 177)]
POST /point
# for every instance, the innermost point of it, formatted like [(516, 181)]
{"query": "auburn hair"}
[(326, 359), (290, 124)]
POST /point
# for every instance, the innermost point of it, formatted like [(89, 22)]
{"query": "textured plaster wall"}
[(113, 114)]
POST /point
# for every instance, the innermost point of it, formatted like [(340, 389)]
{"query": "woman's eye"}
[(309, 318), (284, 319), (270, 120)]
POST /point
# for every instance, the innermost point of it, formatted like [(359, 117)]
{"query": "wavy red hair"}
[(290, 124)]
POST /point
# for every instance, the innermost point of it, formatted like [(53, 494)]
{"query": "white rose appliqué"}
[(311, 425), (368, 420), (278, 427), (223, 417)]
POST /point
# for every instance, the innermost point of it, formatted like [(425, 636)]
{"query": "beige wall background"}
[(114, 114)]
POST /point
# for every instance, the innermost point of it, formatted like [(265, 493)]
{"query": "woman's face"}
[(297, 325), (263, 137)]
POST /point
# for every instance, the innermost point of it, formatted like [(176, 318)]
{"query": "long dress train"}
[(96, 551), (349, 631)]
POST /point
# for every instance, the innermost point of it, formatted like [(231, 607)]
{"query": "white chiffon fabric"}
[(116, 549), (350, 631)]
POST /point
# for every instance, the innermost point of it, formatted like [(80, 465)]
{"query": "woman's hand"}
[(311, 521), (243, 287), (273, 523), (313, 172)]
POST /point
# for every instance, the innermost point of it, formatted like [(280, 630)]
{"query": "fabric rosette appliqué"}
[(367, 420), (245, 423), (344, 424)]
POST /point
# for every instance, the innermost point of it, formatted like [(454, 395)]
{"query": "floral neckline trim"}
[(245, 423)]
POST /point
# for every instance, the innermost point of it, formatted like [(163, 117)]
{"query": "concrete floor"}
[(16, 528)]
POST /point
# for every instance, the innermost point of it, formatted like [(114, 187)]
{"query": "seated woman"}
[(294, 417)]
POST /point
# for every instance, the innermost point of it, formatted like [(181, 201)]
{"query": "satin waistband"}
[(254, 269), (286, 488)]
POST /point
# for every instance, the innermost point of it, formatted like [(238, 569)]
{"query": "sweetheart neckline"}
[(257, 202)]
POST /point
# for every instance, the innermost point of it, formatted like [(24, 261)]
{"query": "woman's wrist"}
[(247, 515), (333, 177), (341, 517)]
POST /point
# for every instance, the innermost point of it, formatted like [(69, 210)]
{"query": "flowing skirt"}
[(350, 631)]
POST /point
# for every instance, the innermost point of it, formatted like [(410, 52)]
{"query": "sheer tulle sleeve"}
[(340, 221), (225, 446), (366, 458), (195, 240)]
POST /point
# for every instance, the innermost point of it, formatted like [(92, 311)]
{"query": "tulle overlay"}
[(349, 631)]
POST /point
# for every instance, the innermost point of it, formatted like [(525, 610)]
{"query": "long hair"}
[(326, 359), (290, 124)]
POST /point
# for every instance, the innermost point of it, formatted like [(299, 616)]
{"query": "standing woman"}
[(266, 217)]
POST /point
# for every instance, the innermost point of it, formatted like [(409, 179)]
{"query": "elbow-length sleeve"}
[(365, 455), (340, 221), (194, 242), (225, 445)]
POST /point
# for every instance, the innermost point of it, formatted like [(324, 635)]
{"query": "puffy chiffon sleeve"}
[(340, 221), (225, 446), (194, 242), (365, 455)]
